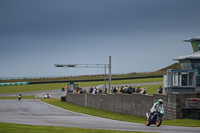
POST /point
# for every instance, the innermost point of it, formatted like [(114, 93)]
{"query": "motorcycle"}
[(19, 98), (156, 118), (47, 96)]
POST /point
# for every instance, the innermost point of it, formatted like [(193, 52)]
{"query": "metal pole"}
[(105, 78), (109, 73)]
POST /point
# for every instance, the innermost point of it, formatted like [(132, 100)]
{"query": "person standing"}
[(133, 89), (138, 89), (105, 92), (115, 90), (160, 90)]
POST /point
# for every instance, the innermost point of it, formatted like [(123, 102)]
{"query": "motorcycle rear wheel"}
[(158, 121)]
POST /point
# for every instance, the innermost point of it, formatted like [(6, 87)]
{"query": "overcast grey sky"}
[(140, 35)]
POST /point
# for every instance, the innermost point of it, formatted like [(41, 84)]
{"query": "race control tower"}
[(187, 79)]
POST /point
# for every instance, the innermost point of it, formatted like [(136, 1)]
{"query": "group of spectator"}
[(76, 90), (129, 90), (123, 89), (95, 90)]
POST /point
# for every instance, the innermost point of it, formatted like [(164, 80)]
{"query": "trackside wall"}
[(133, 104)]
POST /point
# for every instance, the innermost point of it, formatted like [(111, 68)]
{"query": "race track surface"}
[(35, 112)]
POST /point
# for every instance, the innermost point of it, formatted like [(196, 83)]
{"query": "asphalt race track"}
[(35, 112)]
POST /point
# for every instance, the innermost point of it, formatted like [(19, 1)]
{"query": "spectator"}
[(94, 90), (91, 90), (78, 91), (138, 89), (118, 89), (121, 90), (105, 91), (160, 90), (124, 90), (63, 89), (115, 90), (100, 91), (133, 89), (143, 91), (112, 90), (130, 89), (74, 91), (97, 90), (84, 91), (68, 90)]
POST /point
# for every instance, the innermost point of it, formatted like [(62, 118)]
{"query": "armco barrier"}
[(133, 104), (15, 83)]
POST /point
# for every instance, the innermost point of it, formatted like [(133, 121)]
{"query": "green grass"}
[(182, 122), (93, 112), (30, 88), (52, 86), (117, 116), (21, 128)]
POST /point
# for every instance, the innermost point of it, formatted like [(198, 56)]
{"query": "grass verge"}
[(20, 128)]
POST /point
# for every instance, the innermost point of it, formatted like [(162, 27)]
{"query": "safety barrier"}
[(15, 83)]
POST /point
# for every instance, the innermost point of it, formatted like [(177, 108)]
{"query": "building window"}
[(191, 78), (196, 67), (182, 79)]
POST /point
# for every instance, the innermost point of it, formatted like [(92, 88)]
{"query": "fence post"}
[(86, 100)]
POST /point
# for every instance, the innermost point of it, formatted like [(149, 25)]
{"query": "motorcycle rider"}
[(156, 105), (20, 96)]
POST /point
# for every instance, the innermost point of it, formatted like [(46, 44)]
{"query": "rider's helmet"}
[(160, 101)]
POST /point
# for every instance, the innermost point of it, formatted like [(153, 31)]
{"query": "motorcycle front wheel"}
[(158, 121), (147, 122)]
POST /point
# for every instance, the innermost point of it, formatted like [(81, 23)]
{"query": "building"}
[(187, 79)]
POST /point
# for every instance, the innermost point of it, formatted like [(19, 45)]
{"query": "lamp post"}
[(91, 66), (109, 73)]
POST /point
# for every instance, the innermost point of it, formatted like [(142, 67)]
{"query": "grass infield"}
[(53, 86)]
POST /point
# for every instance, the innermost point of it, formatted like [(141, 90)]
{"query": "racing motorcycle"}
[(156, 118), (19, 97)]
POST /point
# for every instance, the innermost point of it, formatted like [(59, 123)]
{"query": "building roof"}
[(191, 56), (192, 39)]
